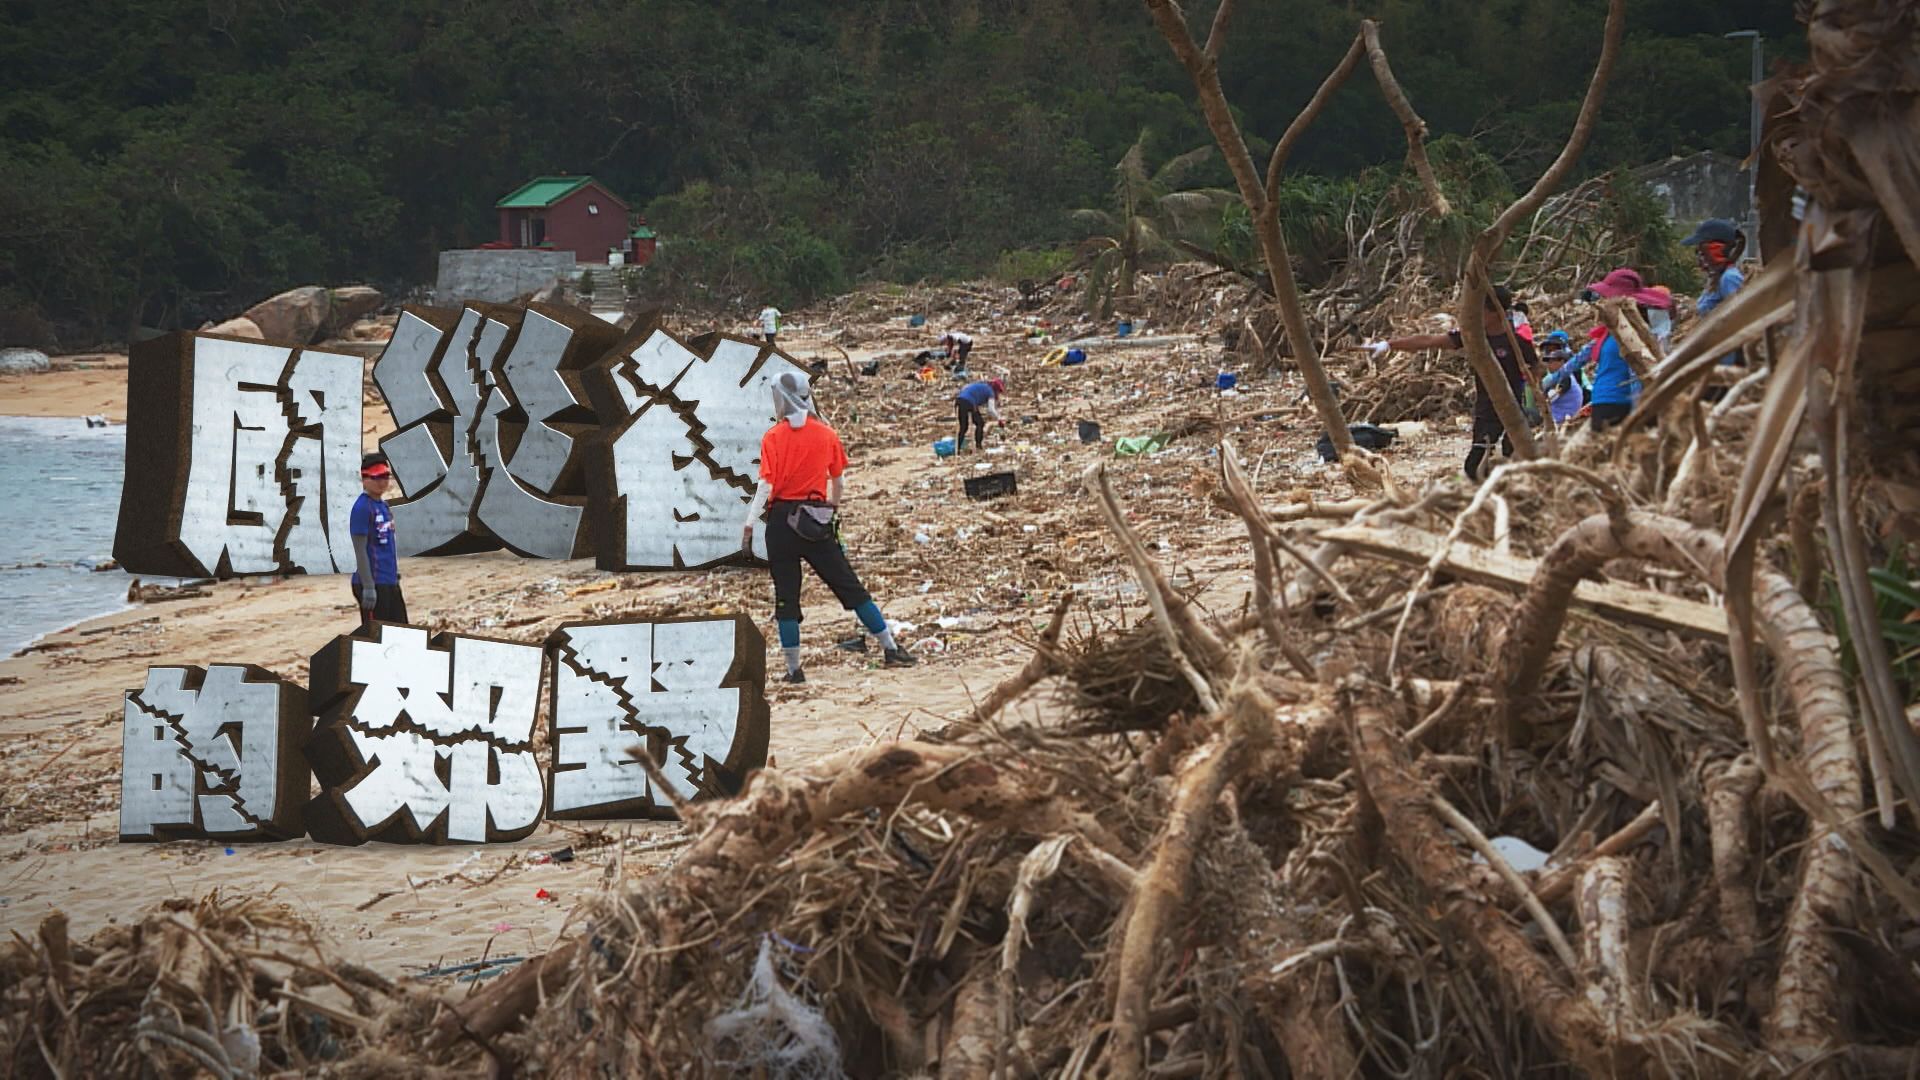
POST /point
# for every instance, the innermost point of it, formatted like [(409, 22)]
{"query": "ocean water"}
[(59, 501)]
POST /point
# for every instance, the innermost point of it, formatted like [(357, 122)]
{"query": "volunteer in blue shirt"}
[(1561, 386), (376, 584), (969, 402), (1615, 386), (1717, 247)]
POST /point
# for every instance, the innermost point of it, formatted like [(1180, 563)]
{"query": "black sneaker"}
[(853, 644), (899, 658), (795, 676)]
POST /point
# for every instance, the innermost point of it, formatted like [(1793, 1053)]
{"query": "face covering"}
[(793, 399)]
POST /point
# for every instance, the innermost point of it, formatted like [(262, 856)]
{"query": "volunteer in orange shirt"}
[(802, 464)]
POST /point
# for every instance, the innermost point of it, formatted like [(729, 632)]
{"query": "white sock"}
[(886, 640), (793, 657)]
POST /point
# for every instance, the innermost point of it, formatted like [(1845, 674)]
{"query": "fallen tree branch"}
[(1808, 996), (1045, 663), (1163, 884), (1173, 617)]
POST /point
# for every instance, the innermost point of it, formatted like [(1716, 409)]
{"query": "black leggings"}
[(970, 412), (785, 551), (1485, 434), (1609, 415)]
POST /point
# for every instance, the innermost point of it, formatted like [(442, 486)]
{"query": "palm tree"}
[(1151, 215)]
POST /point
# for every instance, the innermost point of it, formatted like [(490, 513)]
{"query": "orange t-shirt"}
[(797, 462)]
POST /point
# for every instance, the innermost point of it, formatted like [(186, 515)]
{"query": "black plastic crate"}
[(991, 485)]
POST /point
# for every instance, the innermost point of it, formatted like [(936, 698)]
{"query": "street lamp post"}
[(1753, 140)]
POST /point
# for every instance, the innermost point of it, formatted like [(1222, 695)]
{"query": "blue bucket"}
[(1074, 356), (1123, 328), (1224, 381), (944, 447)]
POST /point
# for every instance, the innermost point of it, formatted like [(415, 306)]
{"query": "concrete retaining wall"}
[(497, 276)]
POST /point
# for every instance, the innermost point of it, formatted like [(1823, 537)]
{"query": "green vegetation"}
[(1150, 212), (167, 161)]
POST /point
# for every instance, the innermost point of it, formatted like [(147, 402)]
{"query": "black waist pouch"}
[(811, 522)]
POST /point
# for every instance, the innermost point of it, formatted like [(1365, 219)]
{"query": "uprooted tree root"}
[(1298, 872), (1218, 863)]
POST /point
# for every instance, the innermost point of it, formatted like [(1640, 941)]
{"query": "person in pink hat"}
[(1615, 388)]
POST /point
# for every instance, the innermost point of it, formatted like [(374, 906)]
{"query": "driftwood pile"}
[(1564, 775)]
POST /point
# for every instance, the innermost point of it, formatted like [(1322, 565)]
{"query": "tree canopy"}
[(165, 161)]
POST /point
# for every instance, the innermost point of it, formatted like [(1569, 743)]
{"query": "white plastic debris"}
[(1522, 855)]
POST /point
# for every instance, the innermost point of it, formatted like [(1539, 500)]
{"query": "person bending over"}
[(969, 402), (802, 472), (957, 343)]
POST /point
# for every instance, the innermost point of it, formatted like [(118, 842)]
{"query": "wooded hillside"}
[(164, 160)]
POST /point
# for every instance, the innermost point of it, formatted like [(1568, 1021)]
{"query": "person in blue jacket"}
[(1615, 387), (969, 403), (1717, 246)]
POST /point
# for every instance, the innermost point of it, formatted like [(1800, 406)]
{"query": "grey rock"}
[(23, 361)]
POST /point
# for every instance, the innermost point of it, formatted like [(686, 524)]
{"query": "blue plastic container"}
[(1224, 381), (944, 447), (1123, 328), (917, 320), (1074, 356)]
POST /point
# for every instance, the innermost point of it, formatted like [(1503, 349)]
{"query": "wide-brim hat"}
[(1625, 281)]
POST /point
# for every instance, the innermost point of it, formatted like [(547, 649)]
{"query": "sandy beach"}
[(989, 571)]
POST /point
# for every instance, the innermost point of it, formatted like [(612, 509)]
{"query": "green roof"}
[(542, 191)]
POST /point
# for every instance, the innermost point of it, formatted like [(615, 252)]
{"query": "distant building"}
[(574, 214)]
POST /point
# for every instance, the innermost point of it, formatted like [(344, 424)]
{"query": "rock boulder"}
[(293, 317), (23, 361), (238, 327), (350, 304)]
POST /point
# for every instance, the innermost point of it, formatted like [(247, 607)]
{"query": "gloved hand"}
[(369, 598), (1377, 348)]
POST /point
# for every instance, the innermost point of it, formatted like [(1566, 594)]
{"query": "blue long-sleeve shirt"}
[(1613, 379)]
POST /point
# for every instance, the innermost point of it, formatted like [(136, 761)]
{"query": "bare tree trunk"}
[(1410, 121), (1204, 67), (1479, 283)]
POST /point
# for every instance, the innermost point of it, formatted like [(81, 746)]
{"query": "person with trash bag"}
[(1615, 387), (1566, 397), (802, 474), (1488, 430), (969, 403)]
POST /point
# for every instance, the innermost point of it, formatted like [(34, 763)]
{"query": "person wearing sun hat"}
[(802, 468), (1717, 246), (376, 580), (1615, 387)]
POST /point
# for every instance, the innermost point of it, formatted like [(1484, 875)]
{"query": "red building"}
[(572, 213)]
